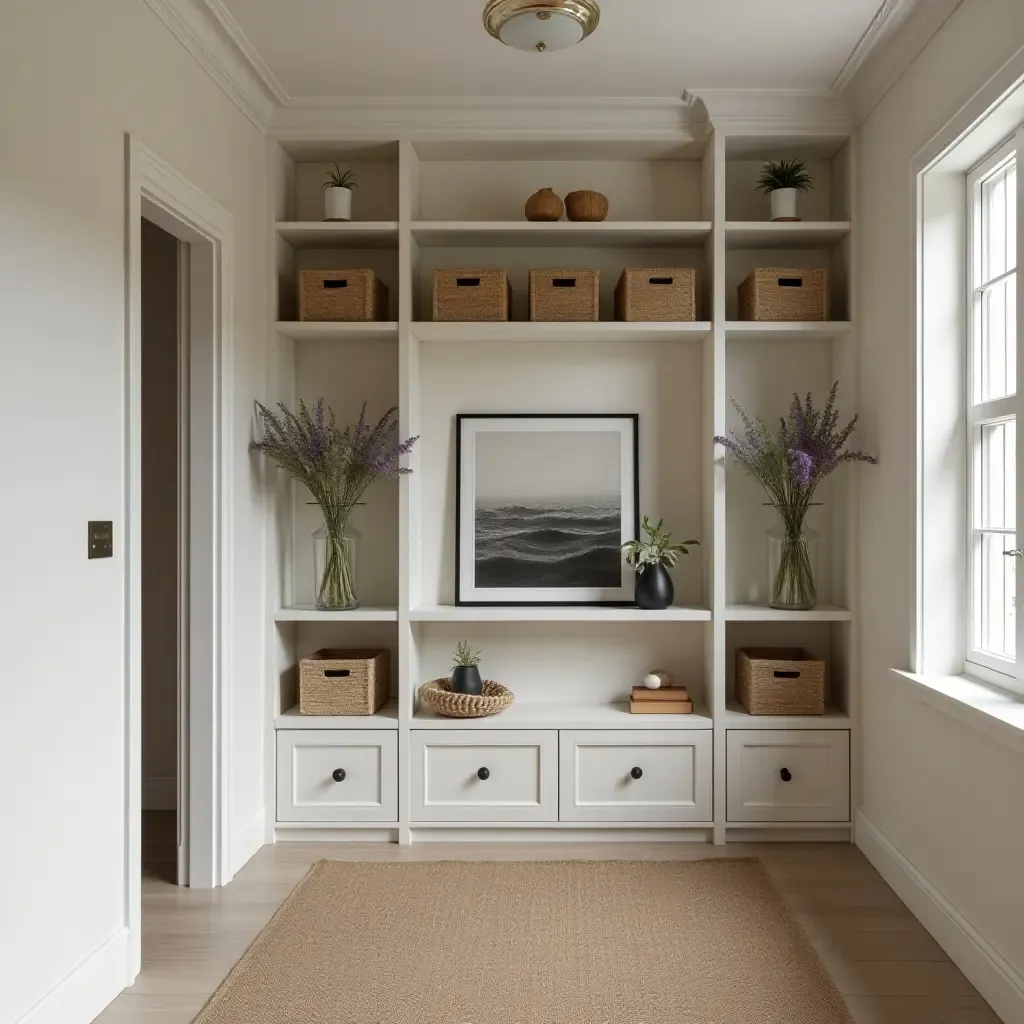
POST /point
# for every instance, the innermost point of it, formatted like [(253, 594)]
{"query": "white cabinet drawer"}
[(335, 775), (798, 775), (481, 775), (634, 775)]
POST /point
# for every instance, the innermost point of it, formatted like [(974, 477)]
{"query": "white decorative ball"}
[(652, 681)]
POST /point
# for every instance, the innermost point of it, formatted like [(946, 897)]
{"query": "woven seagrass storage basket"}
[(780, 681), (781, 293), (342, 295), (563, 295), (344, 682), (647, 294), (472, 295), (437, 695)]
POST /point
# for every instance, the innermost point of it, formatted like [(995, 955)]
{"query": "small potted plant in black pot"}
[(652, 559), (466, 670)]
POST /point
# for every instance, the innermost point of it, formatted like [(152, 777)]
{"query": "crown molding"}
[(896, 36), (777, 111), (213, 37), (650, 118)]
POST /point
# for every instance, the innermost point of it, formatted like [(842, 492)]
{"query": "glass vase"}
[(792, 561), (334, 565)]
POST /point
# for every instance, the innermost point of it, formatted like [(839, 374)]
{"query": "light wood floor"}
[(888, 968)]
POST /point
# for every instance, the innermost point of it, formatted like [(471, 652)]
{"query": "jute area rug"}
[(570, 942)]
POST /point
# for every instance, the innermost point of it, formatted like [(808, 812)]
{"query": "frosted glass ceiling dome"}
[(541, 25)]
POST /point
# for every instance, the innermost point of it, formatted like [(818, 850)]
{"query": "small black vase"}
[(466, 679), (654, 589)]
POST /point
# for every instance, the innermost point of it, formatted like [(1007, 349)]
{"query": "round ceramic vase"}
[(654, 590), (784, 204), (337, 204)]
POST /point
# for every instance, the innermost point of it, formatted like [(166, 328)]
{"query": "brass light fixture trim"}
[(498, 13)]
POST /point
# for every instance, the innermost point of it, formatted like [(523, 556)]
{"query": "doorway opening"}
[(164, 541), (177, 515)]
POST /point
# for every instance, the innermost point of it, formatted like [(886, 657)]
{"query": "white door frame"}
[(155, 190)]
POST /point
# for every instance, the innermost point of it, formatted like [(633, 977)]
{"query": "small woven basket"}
[(349, 682), (475, 294), (656, 295), (342, 295), (780, 681), (564, 295), (437, 695), (781, 293)]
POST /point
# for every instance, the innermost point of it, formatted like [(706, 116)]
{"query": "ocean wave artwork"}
[(549, 543)]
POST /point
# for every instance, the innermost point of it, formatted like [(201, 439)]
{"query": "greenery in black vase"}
[(658, 549), (465, 656)]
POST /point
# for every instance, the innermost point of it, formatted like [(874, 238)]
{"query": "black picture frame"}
[(467, 590)]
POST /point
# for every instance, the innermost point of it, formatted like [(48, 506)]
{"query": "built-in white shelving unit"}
[(428, 204)]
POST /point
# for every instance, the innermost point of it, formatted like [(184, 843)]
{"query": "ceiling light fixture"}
[(541, 25)]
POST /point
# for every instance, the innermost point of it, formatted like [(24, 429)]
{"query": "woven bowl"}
[(437, 695), (586, 206)]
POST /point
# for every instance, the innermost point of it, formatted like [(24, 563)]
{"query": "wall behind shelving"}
[(661, 382), (570, 662), (498, 189)]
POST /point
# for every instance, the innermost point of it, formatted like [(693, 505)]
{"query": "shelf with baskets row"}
[(626, 234)]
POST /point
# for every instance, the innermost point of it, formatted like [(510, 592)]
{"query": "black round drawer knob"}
[(785, 775), (637, 773), (338, 775), (483, 774)]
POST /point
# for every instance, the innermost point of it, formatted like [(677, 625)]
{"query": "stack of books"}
[(669, 700)]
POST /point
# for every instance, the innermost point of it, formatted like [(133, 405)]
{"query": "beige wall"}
[(159, 517), (950, 798), (75, 77)]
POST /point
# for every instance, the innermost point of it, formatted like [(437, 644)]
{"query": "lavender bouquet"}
[(337, 466), (789, 463)]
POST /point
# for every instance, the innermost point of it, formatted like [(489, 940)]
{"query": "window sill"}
[(996, 712)]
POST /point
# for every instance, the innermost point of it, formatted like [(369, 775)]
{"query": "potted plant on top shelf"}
[(338, 194), (781, 180), (652, 559)]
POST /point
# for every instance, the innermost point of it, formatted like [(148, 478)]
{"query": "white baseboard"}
[(247, 840), (89, 989), (984, 966), (159, 793)]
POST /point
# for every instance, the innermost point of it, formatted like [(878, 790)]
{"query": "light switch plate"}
[(101, 539)]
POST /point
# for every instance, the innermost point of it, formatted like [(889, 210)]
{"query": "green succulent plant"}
[(338, 178), (465, 656), (778, 174)]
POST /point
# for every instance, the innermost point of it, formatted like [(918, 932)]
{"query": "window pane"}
[(1011, 217), (997, 583), (993, 212), (997, 349), (998, 475)]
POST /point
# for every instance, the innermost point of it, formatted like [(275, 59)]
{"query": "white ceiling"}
[(409, 48)]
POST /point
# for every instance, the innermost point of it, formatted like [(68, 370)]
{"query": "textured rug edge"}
[(263, 936)]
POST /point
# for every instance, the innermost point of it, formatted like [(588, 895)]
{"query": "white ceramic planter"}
[(783, 204), (337, 204)]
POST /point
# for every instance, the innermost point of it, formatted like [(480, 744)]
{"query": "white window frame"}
[(982, 664)]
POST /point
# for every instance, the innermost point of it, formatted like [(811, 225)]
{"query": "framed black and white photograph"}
[(543, 507)]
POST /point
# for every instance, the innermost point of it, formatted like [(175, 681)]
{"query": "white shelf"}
[(759, 613), (554, 333), (331, 234), (785, 235), (307, 613), (301, 330), (386, 718), (813, 330), (736, 718), (628, 234), (468, 613), (565, 716)]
